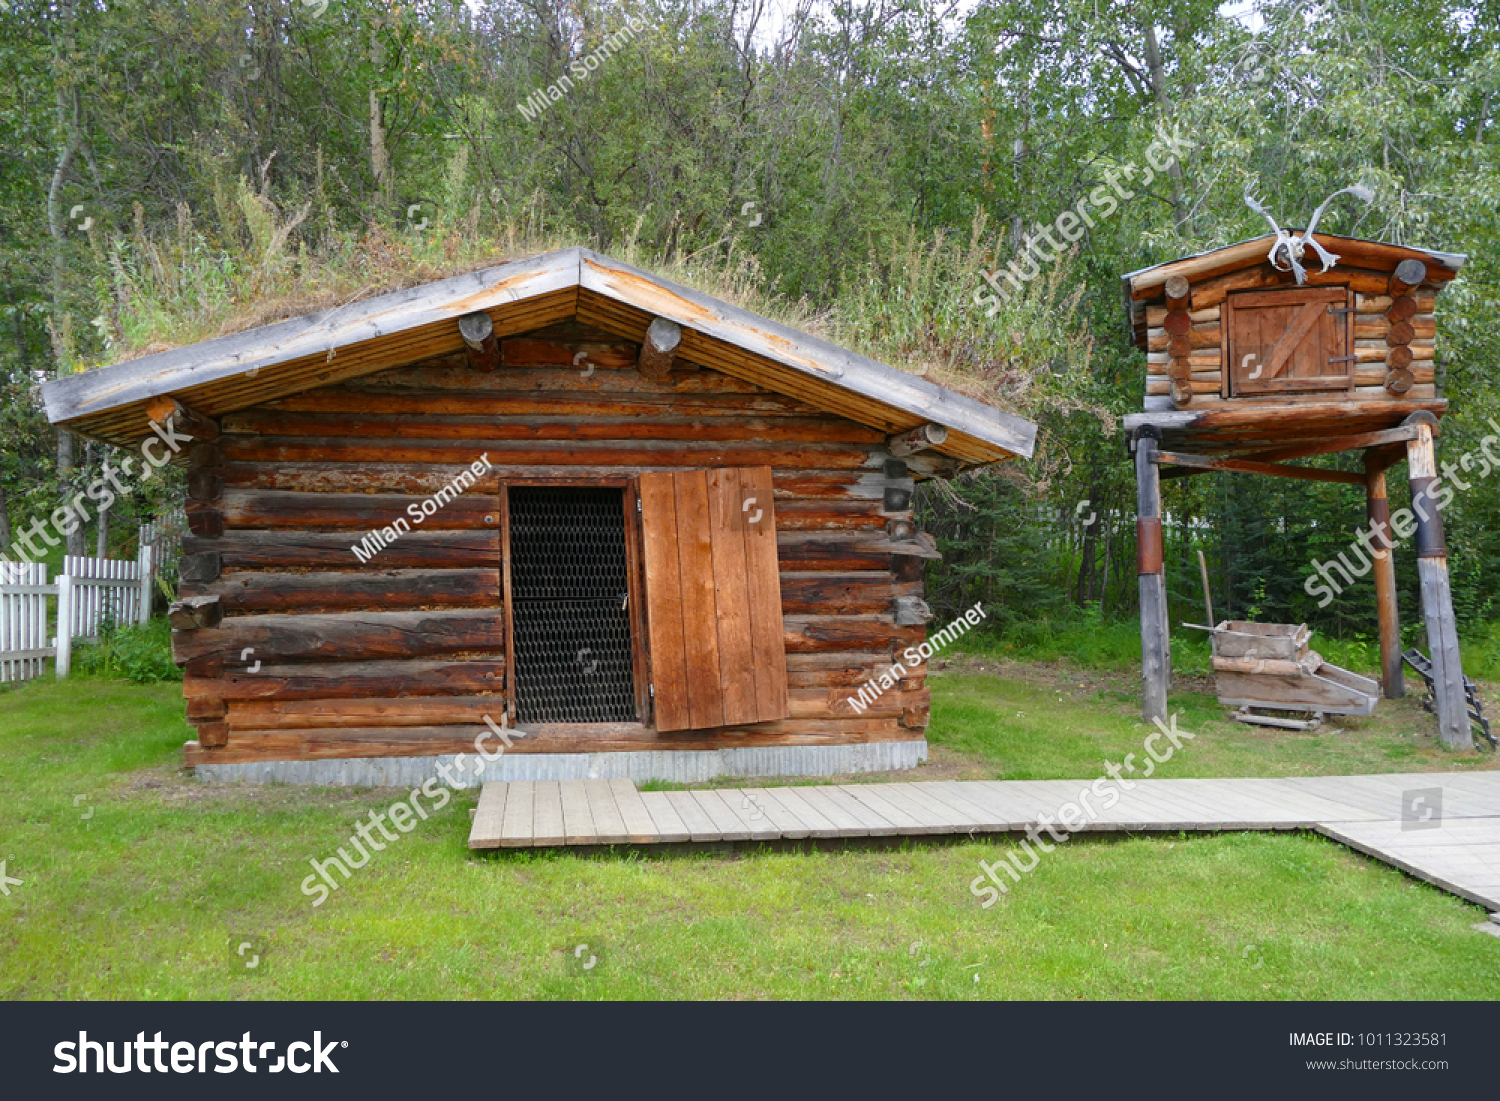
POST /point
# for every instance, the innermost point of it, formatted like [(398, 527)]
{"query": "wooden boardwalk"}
[(1449, 836)]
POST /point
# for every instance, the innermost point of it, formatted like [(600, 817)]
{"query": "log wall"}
[(1201, 370), (321, 656)]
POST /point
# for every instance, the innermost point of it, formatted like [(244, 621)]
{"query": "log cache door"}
[(713, 598), (1290, 341)]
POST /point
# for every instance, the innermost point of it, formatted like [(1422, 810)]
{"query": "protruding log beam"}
[(1400, 334), (659, 349), (187, 422), (911, 611), (1177, 323), (1399, 356), (213, 734), (1156, 668), (1378, 509), (1437, 593), (917, 439), (206, 522), (1408, 274), (480, 344), (204, 485), (195, 613), (1403, 308), (201, 566), (1177, 289), (1398, 380)]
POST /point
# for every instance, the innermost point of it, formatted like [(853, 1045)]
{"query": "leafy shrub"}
[(141, 655)]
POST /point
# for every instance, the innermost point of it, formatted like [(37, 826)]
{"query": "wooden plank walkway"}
[(1441, 827)]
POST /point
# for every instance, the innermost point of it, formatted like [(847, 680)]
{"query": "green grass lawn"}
[(139, 882)]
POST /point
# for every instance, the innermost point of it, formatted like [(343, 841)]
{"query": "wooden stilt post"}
[(1378, 509), (1156, 671), (1437, 592)]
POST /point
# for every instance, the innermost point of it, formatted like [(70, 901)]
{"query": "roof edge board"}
[(1452, 261), (804, 354), (167, 372)]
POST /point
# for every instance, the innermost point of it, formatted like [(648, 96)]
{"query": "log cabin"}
[(631, 529), (1252, 364)]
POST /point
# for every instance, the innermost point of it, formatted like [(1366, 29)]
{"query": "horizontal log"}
[(284, 714), (534, 351), (645, 453), (292, 714), (660, 400), (813, 633), (244, 592), (346, 680), (351, 743), (1156, 316), (245, 549), (826, 703), (1375, 376), (1207, 335), (605, 424), (422, 479), (868, 593), (442, 388), (1198, 360), (355, 512), (342, 637)]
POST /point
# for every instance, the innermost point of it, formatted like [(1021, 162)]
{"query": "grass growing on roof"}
[(138, 882)]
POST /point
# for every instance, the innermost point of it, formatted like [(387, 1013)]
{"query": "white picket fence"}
[(89, 592), (23, 620)]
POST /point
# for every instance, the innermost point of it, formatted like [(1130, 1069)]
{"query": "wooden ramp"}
[(1441, 827)]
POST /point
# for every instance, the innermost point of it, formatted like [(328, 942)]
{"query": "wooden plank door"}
[(1289, 341), (713, 598)]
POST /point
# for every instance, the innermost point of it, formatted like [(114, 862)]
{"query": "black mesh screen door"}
[(569, 595)]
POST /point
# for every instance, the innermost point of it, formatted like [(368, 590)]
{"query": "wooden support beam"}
[(917, 439), (480, 343), (1361, 442), (1437, 594), (1378, 510), (187, 422), (659, 349), (1243, 466), (1156, 654)]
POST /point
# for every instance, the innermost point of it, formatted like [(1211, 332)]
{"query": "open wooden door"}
[(713, 598)]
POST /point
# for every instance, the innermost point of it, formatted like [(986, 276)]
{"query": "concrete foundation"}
[(678, 766)]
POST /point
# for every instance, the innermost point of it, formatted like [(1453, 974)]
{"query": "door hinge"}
[(651, 690), (638, 506)]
